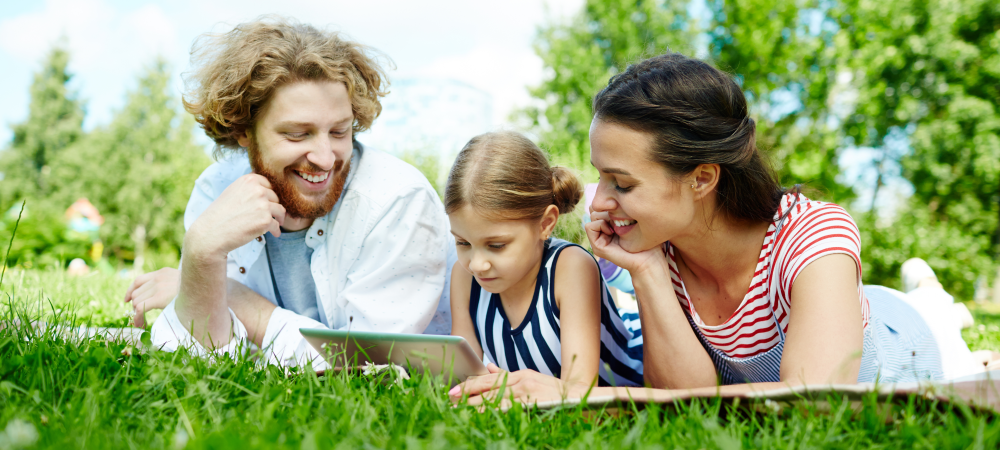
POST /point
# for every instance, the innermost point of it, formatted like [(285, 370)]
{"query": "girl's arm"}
[(578, 297), (461, 321), (822, 346)]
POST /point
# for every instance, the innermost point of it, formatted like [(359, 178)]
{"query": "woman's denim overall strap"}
[(759, 368)]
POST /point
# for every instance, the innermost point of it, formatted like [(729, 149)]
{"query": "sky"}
[(485, 44)]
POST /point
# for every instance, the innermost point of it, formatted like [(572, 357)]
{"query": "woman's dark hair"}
[(696, 114)]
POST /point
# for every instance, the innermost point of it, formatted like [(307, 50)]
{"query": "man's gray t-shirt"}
[(289, 257)]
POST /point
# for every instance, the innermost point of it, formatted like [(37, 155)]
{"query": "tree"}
[(782, 53), (55, 118), (138, 171), (931, 70)]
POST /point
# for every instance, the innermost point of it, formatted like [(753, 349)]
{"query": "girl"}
[(519, 297), (739, 281)]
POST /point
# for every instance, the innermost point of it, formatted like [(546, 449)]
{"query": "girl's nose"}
[(478, 264)]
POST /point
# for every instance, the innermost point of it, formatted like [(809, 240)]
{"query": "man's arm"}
[(247, 208)]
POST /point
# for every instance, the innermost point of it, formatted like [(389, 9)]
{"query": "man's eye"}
[(296, 135)]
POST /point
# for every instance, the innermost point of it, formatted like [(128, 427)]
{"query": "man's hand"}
[(247, 209), (154, 290)]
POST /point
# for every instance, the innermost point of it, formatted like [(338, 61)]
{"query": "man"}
[(298, 225)]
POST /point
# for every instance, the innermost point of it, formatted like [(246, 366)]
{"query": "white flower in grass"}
[(18, 434)]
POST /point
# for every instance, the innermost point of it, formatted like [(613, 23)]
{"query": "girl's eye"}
[(461, 243), (497, 246)]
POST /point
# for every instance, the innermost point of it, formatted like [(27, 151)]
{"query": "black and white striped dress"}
[(535, 343)]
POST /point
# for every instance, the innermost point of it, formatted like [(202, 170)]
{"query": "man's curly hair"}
[(236, 73)]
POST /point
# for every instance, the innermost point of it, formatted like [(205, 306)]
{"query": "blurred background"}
[(887, 108)]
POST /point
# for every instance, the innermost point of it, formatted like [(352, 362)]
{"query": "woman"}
[(739, 282)]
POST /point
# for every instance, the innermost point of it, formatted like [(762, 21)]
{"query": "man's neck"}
[(296, 223)]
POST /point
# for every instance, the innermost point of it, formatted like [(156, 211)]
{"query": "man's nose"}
[(322, 154)]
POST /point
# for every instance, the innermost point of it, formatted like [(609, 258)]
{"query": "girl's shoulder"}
[(573, 267)]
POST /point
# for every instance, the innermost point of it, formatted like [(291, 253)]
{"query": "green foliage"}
[(428, 162), (54, 122), (583, 54), (932, 67), (138, 171)]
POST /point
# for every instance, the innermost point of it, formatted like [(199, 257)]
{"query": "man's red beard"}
[(296, 204)]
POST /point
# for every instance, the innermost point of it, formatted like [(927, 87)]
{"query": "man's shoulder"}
[(222, 173), (383, 178)]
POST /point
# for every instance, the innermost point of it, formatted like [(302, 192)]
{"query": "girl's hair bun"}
[(566, 189)]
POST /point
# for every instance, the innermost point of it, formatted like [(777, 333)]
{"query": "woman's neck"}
[(721, 253)]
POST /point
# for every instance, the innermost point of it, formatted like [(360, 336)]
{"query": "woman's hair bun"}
[(566, 189)]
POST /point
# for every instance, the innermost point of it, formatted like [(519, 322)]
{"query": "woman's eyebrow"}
[(616, 171)]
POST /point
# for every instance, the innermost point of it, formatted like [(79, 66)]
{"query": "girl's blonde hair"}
[(505, 176)]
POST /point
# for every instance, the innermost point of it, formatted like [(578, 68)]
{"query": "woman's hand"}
[(154, 290), (525, 386), (605, 244)]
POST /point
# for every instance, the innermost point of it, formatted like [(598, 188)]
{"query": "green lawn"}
[(99, 394)]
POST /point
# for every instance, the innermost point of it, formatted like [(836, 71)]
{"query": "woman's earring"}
[(692, 186)]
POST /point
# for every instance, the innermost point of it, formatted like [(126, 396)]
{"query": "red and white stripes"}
[(811, 230)]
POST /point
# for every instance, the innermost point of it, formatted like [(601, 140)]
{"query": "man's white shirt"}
[(381, 260)]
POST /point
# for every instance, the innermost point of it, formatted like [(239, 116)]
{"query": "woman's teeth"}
[(313, 178), (623, 223)]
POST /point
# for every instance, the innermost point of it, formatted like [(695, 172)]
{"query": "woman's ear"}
[(705, 178), (549, 219)]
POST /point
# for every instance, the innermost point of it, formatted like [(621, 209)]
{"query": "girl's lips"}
[(485, 280)]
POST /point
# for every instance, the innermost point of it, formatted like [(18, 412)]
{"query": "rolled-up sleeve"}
[(398, 278)]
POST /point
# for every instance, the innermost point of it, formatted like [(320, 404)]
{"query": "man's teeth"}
[(313, 178), (623, 223)]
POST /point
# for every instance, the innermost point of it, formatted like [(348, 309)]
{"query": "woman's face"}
[(647, 206)]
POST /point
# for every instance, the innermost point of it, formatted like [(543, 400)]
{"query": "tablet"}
[(447, 356)]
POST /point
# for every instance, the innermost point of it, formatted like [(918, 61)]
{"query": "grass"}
[(100, 394)]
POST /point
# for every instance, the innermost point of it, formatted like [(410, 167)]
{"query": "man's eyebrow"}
[(295, 123)]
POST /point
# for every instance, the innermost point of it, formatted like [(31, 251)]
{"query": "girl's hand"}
[(154, 290), (525, 386), (605, 244)]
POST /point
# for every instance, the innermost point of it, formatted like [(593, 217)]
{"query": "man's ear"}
[(243, 139), (706, 177), (549, 219)]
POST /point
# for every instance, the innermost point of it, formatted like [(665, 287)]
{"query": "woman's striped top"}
[(535, 344), (811, 229)]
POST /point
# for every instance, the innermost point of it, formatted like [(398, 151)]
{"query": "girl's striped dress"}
[(535, 343)]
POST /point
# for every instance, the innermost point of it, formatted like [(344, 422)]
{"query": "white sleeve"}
[(396, 283)]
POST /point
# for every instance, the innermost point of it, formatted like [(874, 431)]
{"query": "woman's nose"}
[(602, 201)]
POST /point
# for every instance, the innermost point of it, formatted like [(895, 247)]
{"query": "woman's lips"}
[(622, 226), (485, 280)]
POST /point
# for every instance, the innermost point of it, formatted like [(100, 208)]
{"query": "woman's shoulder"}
[(800, 213)]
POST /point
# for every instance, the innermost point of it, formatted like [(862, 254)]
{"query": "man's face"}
[(302, 144)]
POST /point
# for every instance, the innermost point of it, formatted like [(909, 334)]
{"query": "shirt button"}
[(259, 239), (242, 270), (319, 232)]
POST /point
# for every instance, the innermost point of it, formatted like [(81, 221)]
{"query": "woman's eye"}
[(622, 189), (497, 246)]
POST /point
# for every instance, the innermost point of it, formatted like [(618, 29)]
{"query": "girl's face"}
[(645, 204), (500, 253)]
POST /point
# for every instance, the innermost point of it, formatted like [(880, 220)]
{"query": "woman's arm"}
[(578, 297), (461, 321), (673, 357), (825, 330)]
